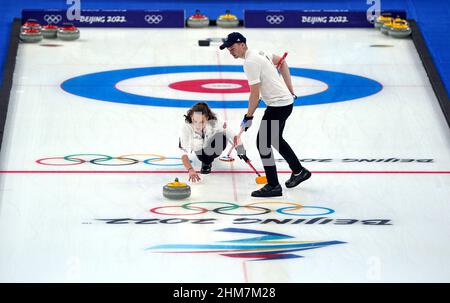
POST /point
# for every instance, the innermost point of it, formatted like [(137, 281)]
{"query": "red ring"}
[(197, 86), (40, 161)]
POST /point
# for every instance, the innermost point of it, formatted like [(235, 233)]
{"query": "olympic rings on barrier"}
[(275, 19), (100, 159), (153, 19), (53, 19), (291, 210)]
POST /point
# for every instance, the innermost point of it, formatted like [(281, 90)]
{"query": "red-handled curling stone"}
[(198, 20), (49, 31), (31, 24), (68, 32), (30, 35)]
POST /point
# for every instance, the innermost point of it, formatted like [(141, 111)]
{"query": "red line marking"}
[(444, 172), (244, 265), (233, 178)]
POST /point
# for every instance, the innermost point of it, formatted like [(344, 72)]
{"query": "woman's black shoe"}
[(206, 168)]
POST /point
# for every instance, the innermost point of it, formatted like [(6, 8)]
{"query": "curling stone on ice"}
[(30, 31), (176, 190), (68, 32), (400, 29), (386, 27), (31, 24), (49, 31), (227, 20), (30, 35), (198, 20), (383, 18)]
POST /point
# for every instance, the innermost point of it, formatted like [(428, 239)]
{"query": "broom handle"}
[(281, 60), (234, 143), (250, 164)]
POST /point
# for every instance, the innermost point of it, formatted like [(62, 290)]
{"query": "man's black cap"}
[(233, 38)]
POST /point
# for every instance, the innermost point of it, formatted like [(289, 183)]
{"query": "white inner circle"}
[(221, 85)]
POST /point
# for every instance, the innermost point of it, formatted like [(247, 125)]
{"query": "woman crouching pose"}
[(206, 136)]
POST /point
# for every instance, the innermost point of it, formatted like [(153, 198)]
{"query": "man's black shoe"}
[(206, 168), (268, 191), (299, 178)]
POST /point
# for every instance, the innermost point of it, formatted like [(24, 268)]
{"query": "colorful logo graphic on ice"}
[(265, 246)]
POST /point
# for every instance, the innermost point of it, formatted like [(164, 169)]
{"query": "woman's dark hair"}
[(202, 108)]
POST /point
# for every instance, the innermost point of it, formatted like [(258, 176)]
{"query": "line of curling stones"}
[(226, 20), (32, 32), (397, 28)]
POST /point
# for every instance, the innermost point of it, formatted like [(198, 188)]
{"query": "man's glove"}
[(241, 152), (246, 122)]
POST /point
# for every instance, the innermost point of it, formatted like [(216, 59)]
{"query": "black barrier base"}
[(430, 68), (8, 73)]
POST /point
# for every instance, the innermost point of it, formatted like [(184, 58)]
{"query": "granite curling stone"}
[(381, 20), (68, 32), (30, 35), (386, 27), (31, 24), (400, 29), (228, 20), (198, 20), (49, 31), (176, 190)]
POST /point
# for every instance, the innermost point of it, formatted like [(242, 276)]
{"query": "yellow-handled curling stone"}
[(386, 26), (381, 20), (176, 190), (400, 28), (227, 20)]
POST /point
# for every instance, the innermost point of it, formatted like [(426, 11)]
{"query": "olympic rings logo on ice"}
[(52, 19), (275, 19), (252, 209), (105, 160), (153, 19)]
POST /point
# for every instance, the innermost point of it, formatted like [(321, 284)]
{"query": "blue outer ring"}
[(101, 86)]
